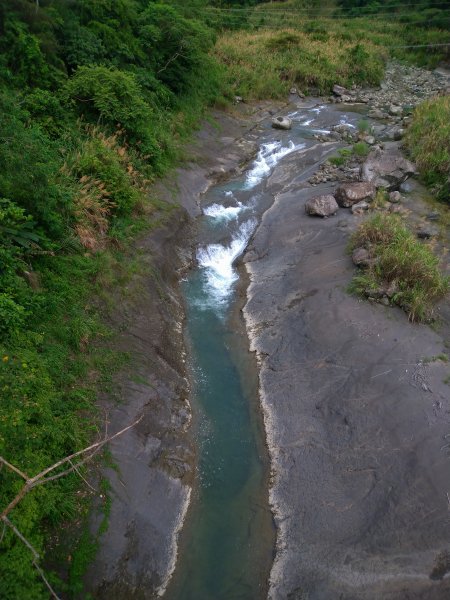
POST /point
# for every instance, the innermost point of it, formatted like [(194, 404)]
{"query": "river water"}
[(227, 545)]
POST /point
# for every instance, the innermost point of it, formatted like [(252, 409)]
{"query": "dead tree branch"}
[(43, 477)]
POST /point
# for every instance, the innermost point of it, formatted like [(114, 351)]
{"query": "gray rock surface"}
[(282, 123), (360, 207), (355, 418), (387, 169), (351, 193), (322, 206)]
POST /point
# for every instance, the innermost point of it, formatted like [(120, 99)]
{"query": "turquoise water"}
[(226, 548)]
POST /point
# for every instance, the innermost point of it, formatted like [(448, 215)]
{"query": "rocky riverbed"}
[(355, 405), (355, 399)]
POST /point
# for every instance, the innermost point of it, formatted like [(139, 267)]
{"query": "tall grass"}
[(276, 52), (428, 140), (401, 264)]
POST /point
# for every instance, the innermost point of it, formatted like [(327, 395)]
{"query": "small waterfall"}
[(217, 262), (268, 156), (223, 213)]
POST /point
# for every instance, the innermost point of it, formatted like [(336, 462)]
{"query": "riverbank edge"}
[(131, 559)]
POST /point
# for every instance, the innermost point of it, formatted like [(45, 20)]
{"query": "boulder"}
[(376, 113), (360, 207), (425, 233), (351, 193), (386, 169), (395, 197), (395, 110), (322, 206), (361, 257), (338, 90), (282, 123)]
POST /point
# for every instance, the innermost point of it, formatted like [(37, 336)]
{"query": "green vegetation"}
[(96, 98), (265, 64), (402, 267), (308, 45), (359, 150), (428, 141)]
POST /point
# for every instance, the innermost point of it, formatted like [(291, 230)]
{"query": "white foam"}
[(317, 109), (324, 131), (217, 262), (307, 122), (268, 156), (344, 121), (228, 193), (223, 213)]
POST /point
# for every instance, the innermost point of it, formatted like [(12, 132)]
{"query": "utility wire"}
[(440, 6)]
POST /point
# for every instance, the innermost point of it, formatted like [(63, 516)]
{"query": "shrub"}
[(361, 149), (428, 141), (400, 263)]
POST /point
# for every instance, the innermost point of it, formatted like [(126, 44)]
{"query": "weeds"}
[(401, 268), (428, 141)]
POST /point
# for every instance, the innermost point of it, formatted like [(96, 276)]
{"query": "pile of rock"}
[(355, 195), (329, 172), (381, 169), (403, 88)]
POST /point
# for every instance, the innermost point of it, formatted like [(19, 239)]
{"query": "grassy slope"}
[(275, 53), (428, 140)]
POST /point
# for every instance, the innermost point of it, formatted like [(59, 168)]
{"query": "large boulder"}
[(351, 193), (322, 206), (386, 169), (338, 90), (281, 123)]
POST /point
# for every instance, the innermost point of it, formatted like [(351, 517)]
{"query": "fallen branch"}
[(43, 477)]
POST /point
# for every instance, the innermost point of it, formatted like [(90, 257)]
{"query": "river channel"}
[(227, 545)]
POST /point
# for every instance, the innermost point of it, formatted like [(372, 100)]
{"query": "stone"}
[(395, 197), (406, 187), (378, 130), (395, 110), (346, 98), (322, 206), (369, 140), (293, 90), (281, 123), (376, 113), (395, 133), (360, 207), (425, 233), (361, 257), (338, 90), (386, 169), (351, 193), (433, 216)]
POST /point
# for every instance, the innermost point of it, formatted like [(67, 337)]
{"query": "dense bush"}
[(94, 99)]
